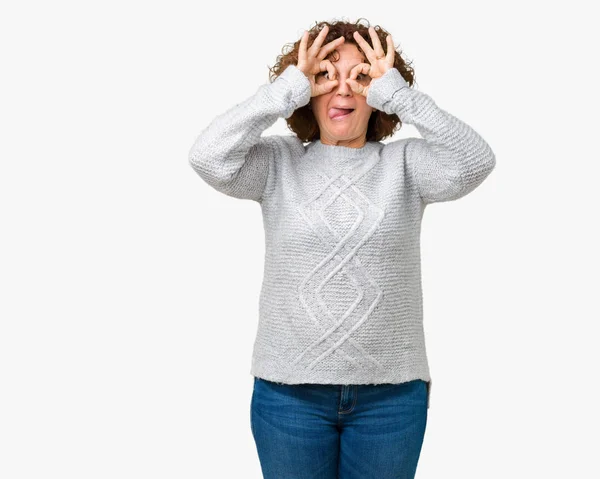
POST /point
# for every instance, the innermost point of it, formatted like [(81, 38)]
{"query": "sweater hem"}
[(330, 377)]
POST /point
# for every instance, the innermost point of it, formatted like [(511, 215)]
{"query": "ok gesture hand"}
[(380, 62), (311, 62)]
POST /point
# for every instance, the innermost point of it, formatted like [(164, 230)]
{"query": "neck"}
[(358, 142), (336, 154)]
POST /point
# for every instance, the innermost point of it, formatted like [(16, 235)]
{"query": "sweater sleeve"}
[(230, 154), (451, 159)]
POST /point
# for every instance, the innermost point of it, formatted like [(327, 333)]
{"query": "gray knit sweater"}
[(341, 299)]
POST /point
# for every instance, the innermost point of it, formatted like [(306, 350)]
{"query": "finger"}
[(314, 48), (376, 43), (331, 85), (364, 68), (326, 87), (365, 47), (391, 50), (330, 47), (352, 84), (330, 69), (355, 86), (322, 66), (302, 48)]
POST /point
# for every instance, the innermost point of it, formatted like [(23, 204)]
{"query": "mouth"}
[(338, 114)]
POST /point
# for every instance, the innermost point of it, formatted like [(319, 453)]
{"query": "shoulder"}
[(397, 146), (395, 155), (284, 145), (293, 145), (285, 149)]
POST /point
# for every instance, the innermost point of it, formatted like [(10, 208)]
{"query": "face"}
[(349, 130)]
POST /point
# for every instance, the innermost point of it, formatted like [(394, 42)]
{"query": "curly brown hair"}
[(303, 122)]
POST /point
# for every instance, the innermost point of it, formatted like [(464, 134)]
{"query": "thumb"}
[(325, 88), (356, 87)]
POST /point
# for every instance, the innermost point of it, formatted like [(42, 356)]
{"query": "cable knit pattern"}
[(341, 300)]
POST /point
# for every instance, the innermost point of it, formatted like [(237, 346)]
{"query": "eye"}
[(359, 77)]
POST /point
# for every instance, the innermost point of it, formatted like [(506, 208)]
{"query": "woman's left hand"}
[(380, 62)]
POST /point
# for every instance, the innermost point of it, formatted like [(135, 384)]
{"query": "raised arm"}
[(451, 159), (230, 154)]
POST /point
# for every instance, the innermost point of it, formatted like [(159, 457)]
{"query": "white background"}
[(129, 287)]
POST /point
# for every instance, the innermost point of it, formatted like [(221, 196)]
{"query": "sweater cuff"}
[(299, 88), (382, 90)]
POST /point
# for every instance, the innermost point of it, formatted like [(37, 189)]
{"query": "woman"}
[(341, 378)]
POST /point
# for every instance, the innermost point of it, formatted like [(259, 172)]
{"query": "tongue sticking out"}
[(337, 112)]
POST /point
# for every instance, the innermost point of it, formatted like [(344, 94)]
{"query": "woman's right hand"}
[(311, 61)]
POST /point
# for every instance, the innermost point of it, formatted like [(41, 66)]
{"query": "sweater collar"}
[(341, 153)]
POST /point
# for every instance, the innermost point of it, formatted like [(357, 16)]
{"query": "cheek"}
[(317, 102), (366, 110), (319, 109)]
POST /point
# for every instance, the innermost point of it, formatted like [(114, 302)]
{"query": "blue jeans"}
[(327, 431)]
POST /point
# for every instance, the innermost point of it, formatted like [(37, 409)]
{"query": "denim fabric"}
[(327, 431)]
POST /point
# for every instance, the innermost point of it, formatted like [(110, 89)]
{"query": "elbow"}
[(197, 162), (479, 170), (488, 162), (206, 168), (194, 158), (480, 164)]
